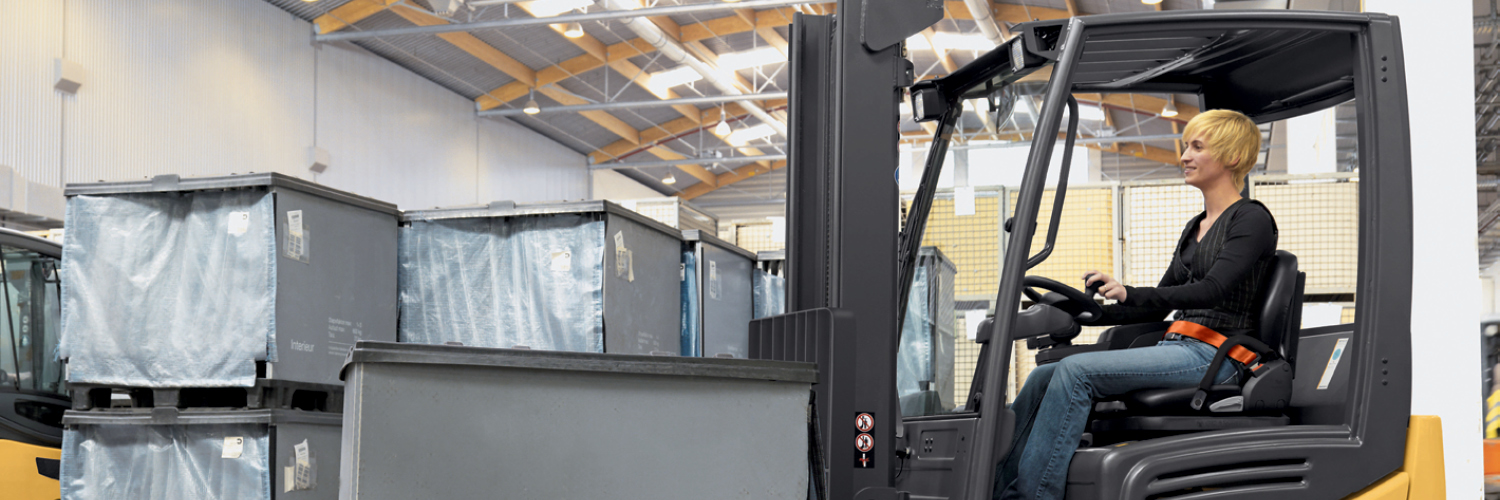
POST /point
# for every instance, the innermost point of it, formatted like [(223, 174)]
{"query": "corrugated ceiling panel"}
[(31, 38), (305, 10), (192, 87), (520, 165), (380, 122), (535, 46), (432, 57)]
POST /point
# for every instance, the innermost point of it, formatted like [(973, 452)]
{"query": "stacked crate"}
[(717, 296), (584, 276), (205, 321), (770, 283)]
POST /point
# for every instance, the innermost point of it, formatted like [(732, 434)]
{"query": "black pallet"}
[(265, 394)]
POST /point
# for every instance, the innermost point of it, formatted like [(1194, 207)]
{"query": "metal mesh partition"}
[(673, 212), (1318, 219), (1086, 238), (1154, 216), (972, 242), (757, 237)]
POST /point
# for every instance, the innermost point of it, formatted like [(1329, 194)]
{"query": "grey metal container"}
[(924, 362), (583, 276), (241, 454), (187, 282), (718, 304), (435, 421)]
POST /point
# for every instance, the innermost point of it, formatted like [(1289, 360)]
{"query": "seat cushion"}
[(1173, 401), (1177, 423)]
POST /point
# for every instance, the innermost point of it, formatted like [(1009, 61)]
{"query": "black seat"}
[(1259, 401)]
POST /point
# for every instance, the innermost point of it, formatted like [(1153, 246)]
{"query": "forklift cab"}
[(1323, 440)]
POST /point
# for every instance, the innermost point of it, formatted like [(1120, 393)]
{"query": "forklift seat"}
[(1259, 401)]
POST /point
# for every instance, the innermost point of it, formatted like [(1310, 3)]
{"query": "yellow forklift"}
[(33, 392)]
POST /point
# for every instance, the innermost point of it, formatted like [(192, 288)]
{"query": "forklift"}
[(33, 391), (1307, 428)]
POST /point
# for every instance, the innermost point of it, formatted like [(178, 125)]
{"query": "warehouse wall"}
[(232, 86)]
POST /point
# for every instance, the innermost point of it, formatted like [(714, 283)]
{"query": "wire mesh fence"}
[(1317, 217), (758, 237)]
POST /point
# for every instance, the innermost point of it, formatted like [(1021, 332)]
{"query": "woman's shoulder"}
[(1254, 214)]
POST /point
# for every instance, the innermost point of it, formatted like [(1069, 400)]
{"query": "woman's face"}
[(1199, 168)]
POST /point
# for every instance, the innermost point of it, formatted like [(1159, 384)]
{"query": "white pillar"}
[(1437, 38)]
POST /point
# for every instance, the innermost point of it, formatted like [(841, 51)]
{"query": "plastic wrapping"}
[(102, 462), (924, 361), (169, 289), (691, 323), (770, 294), (535, 281)]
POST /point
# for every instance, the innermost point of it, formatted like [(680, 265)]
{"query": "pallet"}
[(265, 394)]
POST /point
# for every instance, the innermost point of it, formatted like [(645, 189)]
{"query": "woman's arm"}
[(1252, 234), (1121, 314)]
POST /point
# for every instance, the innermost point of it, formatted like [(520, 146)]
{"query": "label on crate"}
[(562, 261), (234, 446), (630, 265), (713, 280), (239, 223), (303, 468), (622, 260), (296, 237)]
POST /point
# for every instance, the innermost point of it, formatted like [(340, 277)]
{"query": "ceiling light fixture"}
[(549, 8), (917, 42), (531, 107), (722, 129), (1170, 110), (957, 41), (661, 83), (1150, 2), (575, 30), (750, 58), (743, 136), (669, 179)]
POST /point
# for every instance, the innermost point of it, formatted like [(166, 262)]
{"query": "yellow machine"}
[(33, 394)]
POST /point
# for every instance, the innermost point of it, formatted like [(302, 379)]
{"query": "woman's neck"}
[(1219, 198)]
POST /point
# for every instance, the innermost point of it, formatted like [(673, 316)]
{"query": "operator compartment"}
[(1116, 91)]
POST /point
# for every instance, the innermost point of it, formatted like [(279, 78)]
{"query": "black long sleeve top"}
[(1216, 281)]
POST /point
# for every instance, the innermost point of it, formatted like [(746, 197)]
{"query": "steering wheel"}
[(1082, 304)]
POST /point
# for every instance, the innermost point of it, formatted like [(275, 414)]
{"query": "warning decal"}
[(865, 422), (864, 441)]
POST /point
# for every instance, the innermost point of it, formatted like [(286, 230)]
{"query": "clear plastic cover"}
[(914, 374), (166, 461), (169, 289), (691, 322), (534, 281), (769, 294)]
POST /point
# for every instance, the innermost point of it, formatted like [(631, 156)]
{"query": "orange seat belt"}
[(1209, 336)]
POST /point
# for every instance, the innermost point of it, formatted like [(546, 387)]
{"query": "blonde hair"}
[(1233, 140)]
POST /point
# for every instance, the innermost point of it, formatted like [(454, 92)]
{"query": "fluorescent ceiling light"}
[(750, 58), (745, 135), (549, 8), (955, 41), (663, 81), (917, 42)]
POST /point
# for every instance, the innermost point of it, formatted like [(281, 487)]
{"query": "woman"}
[(1215, 277)]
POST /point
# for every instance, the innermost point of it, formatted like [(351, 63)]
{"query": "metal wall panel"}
[(197, 88), (31, 38), (393, 135), (525, 166)]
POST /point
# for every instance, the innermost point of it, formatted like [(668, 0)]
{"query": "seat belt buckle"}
[(1199, 398)]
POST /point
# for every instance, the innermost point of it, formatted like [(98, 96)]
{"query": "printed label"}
[(630, 265), (963, 201), (622, 260), (239, 223), (1333, 364), (234, 446), (294, 222), (303, 467), (296, 237), (713, 280), (562, 261), (864, 441)]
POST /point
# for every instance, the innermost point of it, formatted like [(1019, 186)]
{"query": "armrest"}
[(1255, 345), (1136, 335)]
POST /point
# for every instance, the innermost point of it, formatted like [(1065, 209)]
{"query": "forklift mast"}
[(850, 266)]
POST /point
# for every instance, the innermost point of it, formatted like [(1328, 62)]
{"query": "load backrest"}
[(1281, 306)]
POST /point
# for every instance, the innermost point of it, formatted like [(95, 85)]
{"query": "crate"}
[(165, 453), (265, 394), (607, 426), (675, 212), (189, 282), (924, 362), (717, 296), (769, 288), (584, 276)]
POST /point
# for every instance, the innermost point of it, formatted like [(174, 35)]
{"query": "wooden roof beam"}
[(349, 13), (731, 177)]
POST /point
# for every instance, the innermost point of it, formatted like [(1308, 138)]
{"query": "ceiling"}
[(505, 68)]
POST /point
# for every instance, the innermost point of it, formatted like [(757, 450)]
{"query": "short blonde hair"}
[(1233, 140)]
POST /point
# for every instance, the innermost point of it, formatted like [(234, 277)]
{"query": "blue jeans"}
[(1053, 407)]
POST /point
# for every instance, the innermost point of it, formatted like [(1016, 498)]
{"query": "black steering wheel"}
[(1080, 304)]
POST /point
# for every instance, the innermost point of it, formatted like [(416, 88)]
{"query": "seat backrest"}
[(1281, 306)]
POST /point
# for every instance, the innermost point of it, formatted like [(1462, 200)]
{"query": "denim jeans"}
[(1053, 407)]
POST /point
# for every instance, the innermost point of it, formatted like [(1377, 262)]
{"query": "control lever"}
[(1091, 290)]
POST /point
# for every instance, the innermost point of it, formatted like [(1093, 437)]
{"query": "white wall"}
[(213, 87), (612, 185), (1445, 308)]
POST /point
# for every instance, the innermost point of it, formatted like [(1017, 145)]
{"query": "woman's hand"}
[(1108, 287)]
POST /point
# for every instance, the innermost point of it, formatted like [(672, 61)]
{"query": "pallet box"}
[(717, 296), (216, 281), (924, 362), (584, 276)]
